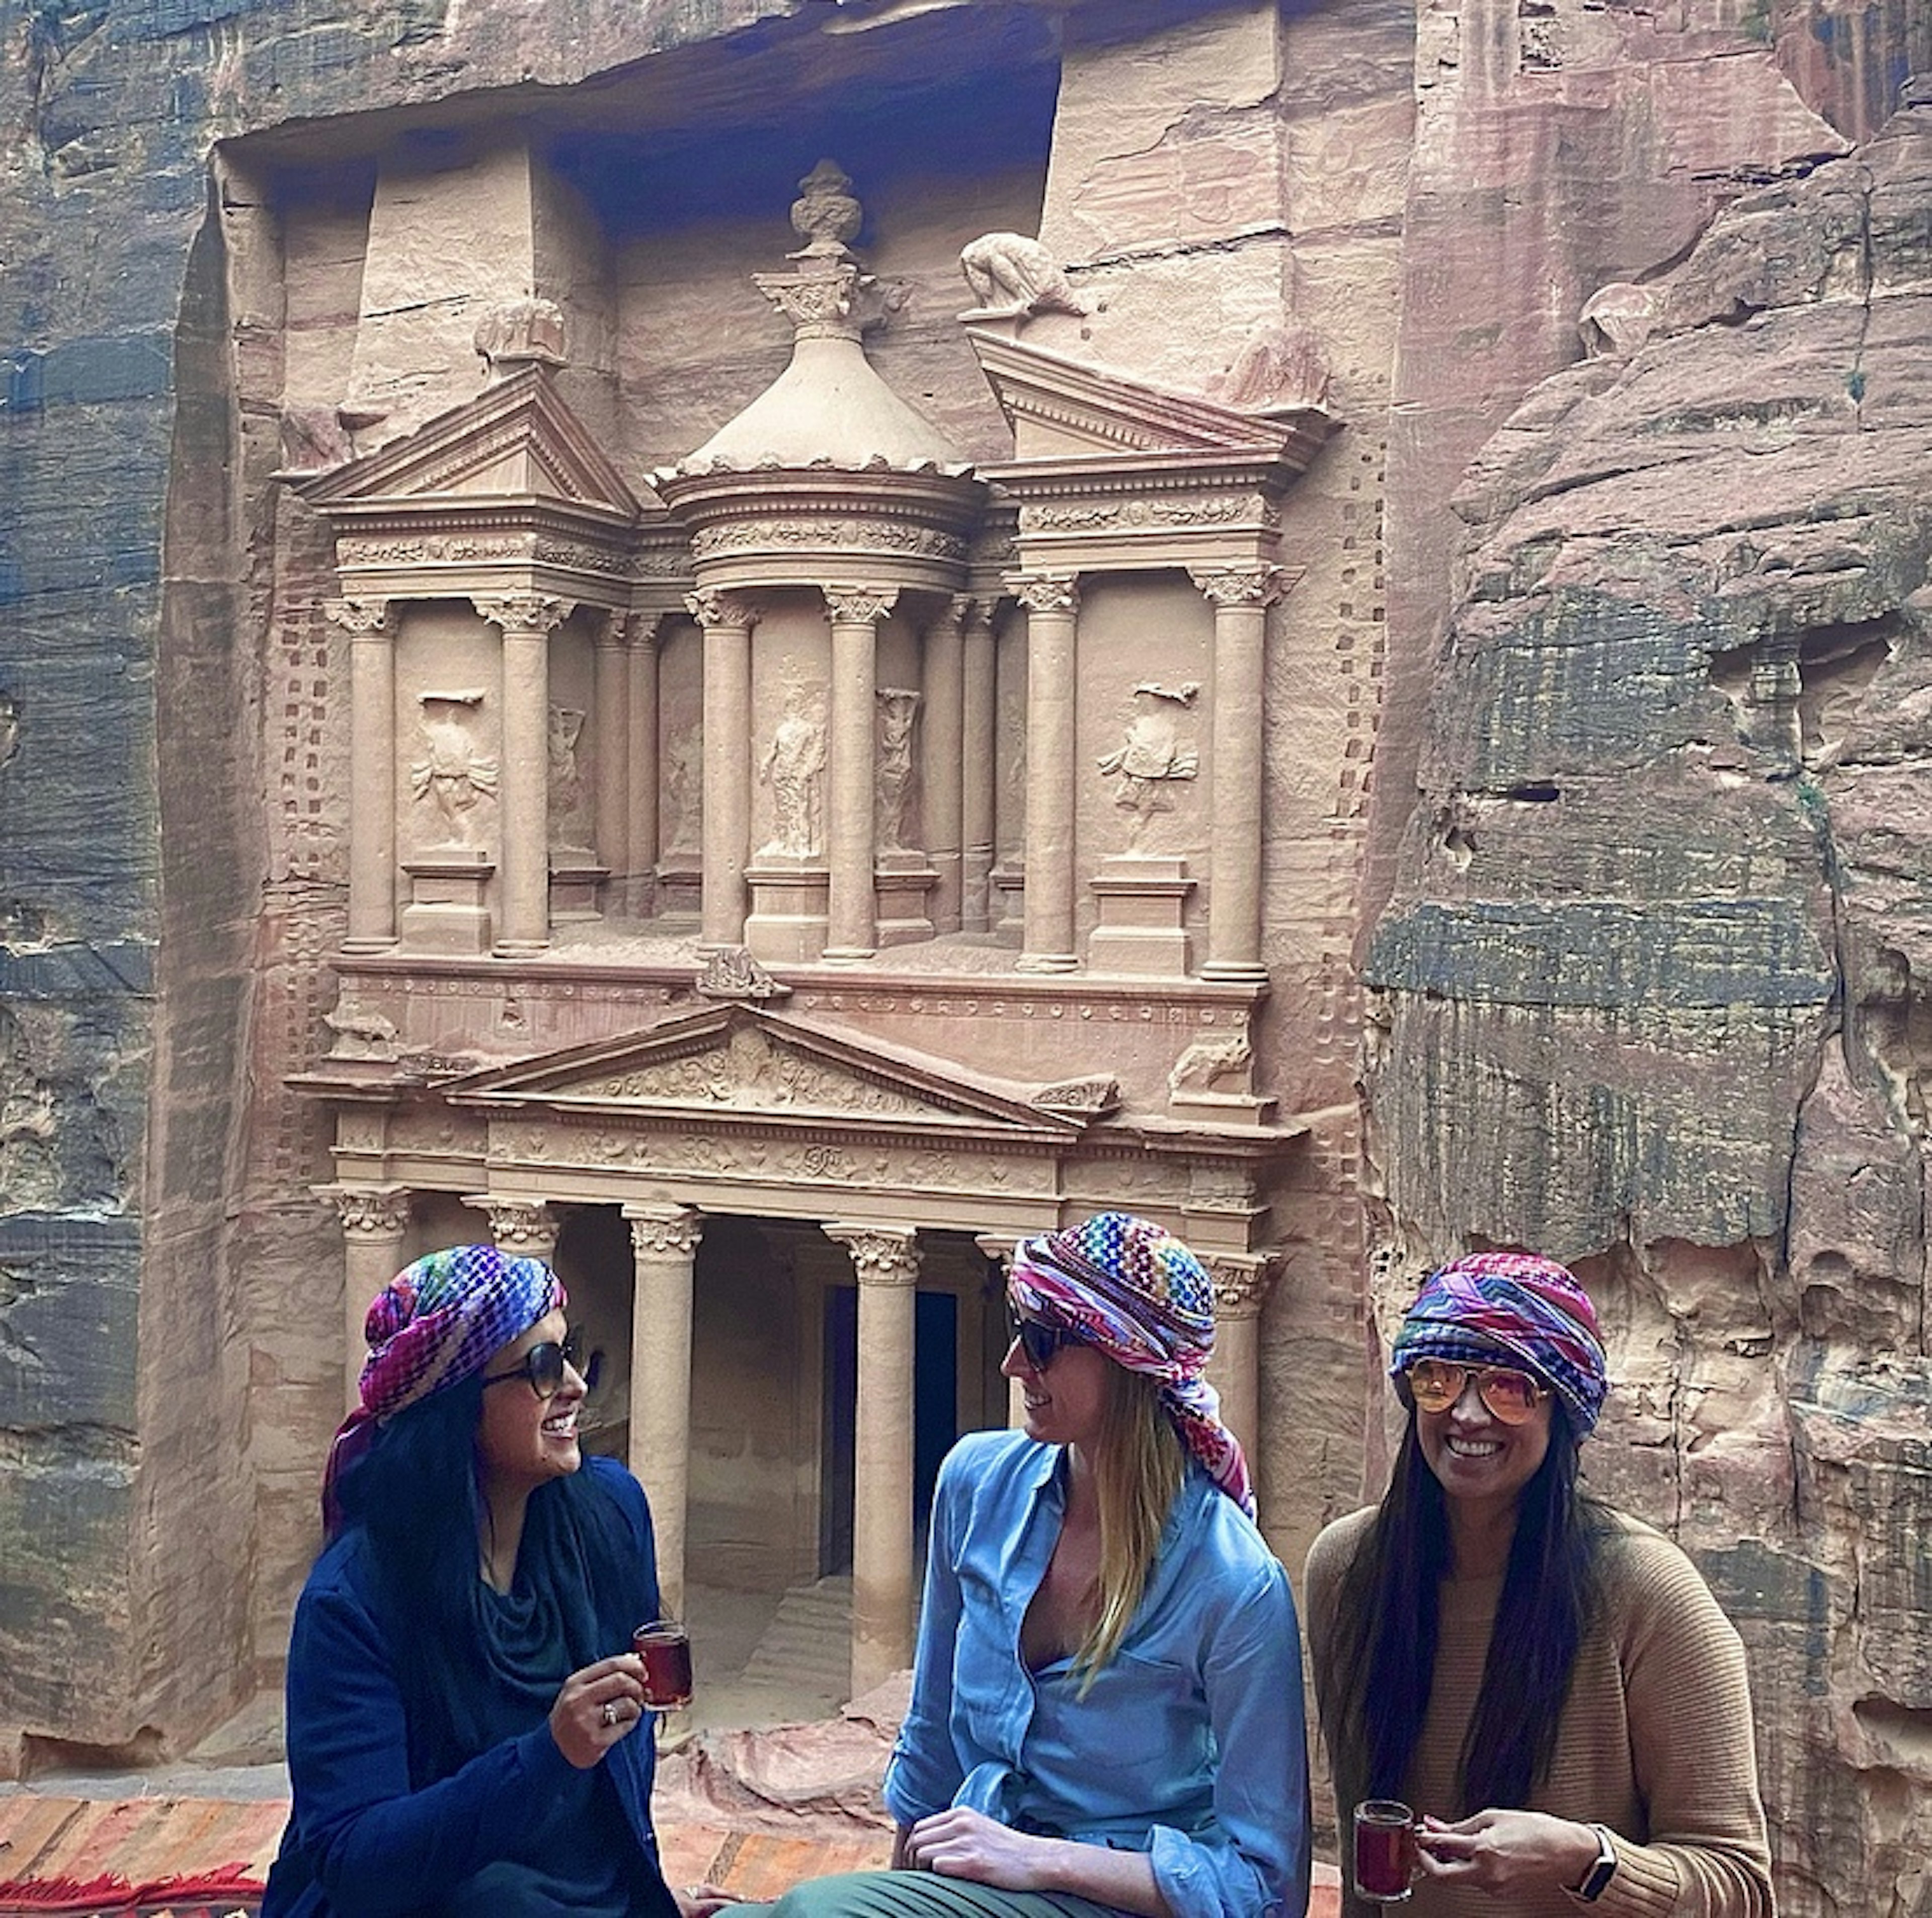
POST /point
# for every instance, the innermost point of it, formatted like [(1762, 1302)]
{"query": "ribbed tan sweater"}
[(1656, 1742)]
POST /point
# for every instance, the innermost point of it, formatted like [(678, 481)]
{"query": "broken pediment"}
[(517, 441), (743, 1060), (1059, 408)]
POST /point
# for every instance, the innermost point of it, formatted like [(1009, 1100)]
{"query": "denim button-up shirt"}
[(1190, 1744)]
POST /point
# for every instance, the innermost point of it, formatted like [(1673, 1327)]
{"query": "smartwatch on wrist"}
[(1591, 1888)]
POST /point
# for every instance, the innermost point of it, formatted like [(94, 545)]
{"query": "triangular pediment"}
[(517, 441), (744, 1062), (1057, 407)]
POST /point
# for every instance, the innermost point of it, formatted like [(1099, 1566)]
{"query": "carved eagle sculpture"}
[(1011, 276)]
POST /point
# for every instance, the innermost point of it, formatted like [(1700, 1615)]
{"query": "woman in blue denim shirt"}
[(1106, 1710)]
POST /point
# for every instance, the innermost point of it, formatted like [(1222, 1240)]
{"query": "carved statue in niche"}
[(1013, 276), (568, 825), (680, 794), (453, 775), (1153, 755), (898, 708), (794, 766), (517, 332), (1280, 365)]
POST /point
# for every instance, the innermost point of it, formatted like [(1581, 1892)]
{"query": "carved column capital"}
[(858, 605), (360, 618), (525, 1228), (711, 606), (1241, 1281), (640, 631), (663, 1232), (1046, 592), (1244, 586), (880, 1255), (523, 612), (371, 1212)]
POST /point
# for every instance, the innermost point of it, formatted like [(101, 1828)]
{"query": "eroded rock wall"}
[(1650, 995)]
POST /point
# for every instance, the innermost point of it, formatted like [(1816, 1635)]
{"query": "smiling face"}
[(1481, 1463), (521, 1439), (1065, 1399)]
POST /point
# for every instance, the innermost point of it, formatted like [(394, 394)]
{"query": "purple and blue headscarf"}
[(435, 1324), (1531, 1310), (1132, 1290)]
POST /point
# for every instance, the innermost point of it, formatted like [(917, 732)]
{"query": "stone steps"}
[(806, 1650)]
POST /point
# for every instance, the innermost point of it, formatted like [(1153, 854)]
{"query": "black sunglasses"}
[(543, 1365), (1037, 1340)]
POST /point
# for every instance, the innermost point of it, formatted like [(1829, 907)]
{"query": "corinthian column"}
[(978, 728), (1052, 602), (942, 765), (886, 1261), (852, 931), (1241, 596), (610, 740), (1241, 1281), (372, 772), (663, 1251), (727, 621), (526, 621), (641, 836), (375, 1220)]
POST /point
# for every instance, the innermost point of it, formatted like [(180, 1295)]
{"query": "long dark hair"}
[(415, 1499), (1388, 1614)]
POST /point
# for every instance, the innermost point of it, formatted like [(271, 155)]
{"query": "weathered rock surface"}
[(1650, 994)]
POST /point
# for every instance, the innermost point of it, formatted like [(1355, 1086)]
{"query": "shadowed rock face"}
[(1652, 994)]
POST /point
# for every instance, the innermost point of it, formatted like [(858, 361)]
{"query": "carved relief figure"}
[(1153, 755), (898, 707), (794, 766), (1207, 1062), (567, 826), (680, 794), (452, 774), (1279, 366), (1012, 276)]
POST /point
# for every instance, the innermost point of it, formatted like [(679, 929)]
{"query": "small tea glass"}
[(1384, 1850), (664, 1646)]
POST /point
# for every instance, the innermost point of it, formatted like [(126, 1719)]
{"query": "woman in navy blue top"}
[(465, 1724), (1106, 1712)]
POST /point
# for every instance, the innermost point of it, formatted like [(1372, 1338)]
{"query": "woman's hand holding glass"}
[(597, 1706), (1501, 1852)]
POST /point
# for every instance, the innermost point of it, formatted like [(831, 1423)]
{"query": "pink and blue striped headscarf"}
[(1528, 1309), (435, 1324), (1132, 1290)]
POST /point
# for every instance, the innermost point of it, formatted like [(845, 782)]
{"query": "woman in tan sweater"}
[(1548, 1681)]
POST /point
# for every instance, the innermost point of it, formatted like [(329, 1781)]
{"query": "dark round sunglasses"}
[(1038, 1340), (543, 1365)]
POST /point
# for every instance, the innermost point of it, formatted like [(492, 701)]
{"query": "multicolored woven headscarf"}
[(1532, 1309), (1131, 1288), (436, 1323)]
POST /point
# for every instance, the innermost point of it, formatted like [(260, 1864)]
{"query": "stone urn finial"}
[(825, 215)]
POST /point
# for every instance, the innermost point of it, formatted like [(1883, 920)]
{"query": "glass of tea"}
[(664, 1646), (1384, 1850)]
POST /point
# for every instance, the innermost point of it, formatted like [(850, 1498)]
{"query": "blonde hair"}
[(1138, 1468)]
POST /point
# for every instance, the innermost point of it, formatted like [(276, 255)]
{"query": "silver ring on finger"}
[(609, 1714)]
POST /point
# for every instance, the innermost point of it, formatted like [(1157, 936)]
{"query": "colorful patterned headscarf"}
[(436, 1323), (1131, 1288), (1532, 1308)]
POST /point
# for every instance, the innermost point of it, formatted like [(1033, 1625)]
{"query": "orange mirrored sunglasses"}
[(1435, 1385)]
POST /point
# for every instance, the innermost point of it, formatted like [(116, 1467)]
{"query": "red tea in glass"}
[(1384, 1850), (665, 1649)]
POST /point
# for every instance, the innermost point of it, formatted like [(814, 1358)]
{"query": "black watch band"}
[(1599, 1874)]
